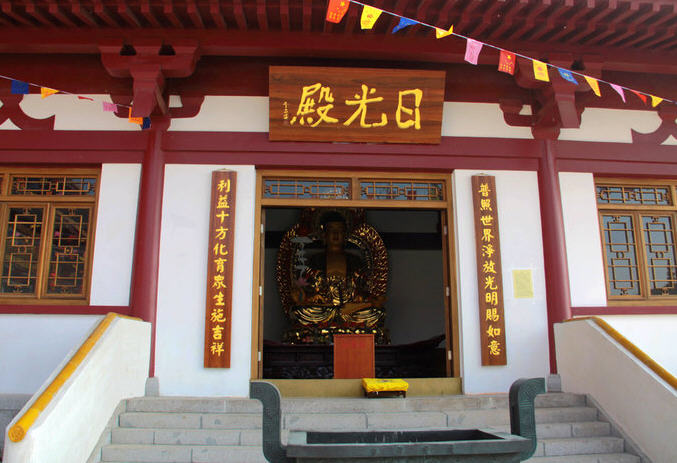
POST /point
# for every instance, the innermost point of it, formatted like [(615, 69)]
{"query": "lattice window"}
[(302, 188), (639, 243), (46, 245), (401, 190)]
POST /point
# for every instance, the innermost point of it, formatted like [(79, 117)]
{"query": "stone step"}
[(190, 420), (343, 405), (566, 430), (598, 458), (119, 453), (579, 446)]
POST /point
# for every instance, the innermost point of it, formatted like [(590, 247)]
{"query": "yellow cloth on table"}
[(382, 385)]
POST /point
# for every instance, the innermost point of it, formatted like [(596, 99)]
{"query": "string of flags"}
[(337, 9), (23, 88)]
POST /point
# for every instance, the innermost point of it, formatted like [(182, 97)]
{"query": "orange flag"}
[(594, 85), (336, 10), (506, 62), (541, 71), (134, 120), (45, 92)]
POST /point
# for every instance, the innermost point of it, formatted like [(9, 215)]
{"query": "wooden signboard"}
[(489, 280), (354, 356), (355, 105), (220, 270)]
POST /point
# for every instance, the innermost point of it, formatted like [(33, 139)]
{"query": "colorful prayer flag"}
[(506, 62), (336, 10), (640, 95), (439, 33), (110, 107), (146, 123), (134, 120), (19, 88), (619, 90), (594, 85), (541, 71), (655, 101), (472, 50), (404, 22), (369, 16), (567, 75), (45, 92)]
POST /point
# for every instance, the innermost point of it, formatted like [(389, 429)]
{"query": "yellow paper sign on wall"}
[(523, 284)]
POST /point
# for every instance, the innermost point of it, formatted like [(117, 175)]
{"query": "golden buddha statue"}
[(332, 289)]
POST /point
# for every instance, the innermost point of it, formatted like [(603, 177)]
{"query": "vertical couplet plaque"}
[(220, 270), (489, 280)]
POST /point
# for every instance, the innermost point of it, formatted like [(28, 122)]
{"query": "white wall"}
[(654, 334), (114, 239), (68, 429), (641, 403), (583, 240), (521, 248), (182, 284), (31, 346)]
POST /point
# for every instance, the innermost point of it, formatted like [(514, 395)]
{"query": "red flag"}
[(506, 62), (336, 10), (85, 98), (640, 95)]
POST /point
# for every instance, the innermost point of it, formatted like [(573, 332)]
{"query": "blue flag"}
[(19, 88), (567, 75), (146, 123), (404, 22)]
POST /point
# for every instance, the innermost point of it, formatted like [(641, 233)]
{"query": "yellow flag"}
[(594, 85), (655, 101), (45, 92), (439, 33), (369, 16), (541, 71)]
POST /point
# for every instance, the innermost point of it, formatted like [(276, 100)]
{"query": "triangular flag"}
[(45, 92), (85, 98), (640, 95), (655, 101), (110, 107), (336, 10), (619, 90), (472, 50), (19, 88), (506, 62), (146, 123), (439, 33), (567, 75), (594, 85), (404, 22), (134, 120), (369, 16), (541, 71)]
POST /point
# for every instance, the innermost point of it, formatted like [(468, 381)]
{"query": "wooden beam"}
[(284, 15), (489, 18), (307, 15), (552, 21), (240, 18), (194, 14), (168, 10), (147, 13), (102, 12), (9, 11), (127, 14), (82, 14), (399, 9), (54, 9), (262, 15), (421, 15), (215, 12), (32, 10), (352, 20), (513, 12)]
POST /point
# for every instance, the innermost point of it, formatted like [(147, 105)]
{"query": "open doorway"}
[(418, 330)]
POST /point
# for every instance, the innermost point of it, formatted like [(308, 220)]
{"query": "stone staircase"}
[(210, 430)]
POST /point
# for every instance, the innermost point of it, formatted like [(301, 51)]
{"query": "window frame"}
[(49, 203), (637, 212)]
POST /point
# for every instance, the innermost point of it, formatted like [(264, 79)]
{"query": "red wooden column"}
[(558, 297), (145, 267)]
